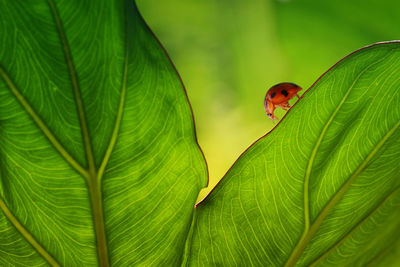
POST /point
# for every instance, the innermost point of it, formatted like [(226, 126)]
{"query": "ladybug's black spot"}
[(285, 93), (293, 84), (273, 95)]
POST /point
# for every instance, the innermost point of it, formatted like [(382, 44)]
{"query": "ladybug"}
[(279, 96)]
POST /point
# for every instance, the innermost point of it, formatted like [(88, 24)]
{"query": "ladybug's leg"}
[(284, 105), (297, 96)]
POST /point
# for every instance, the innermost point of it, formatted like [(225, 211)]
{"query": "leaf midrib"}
[(94, 184)]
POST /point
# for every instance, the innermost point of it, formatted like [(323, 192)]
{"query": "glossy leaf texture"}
[(322, 188), (93, 117)]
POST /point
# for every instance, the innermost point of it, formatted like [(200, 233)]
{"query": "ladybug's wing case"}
[(283, 93), (293, 91), (277, 97)]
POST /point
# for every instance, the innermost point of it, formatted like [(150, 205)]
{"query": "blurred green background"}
[(229, 52)]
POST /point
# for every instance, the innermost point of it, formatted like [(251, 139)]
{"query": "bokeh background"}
[(229, 52)]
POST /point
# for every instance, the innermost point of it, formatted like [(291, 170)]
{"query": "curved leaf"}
[(323, 187), (98, 159)]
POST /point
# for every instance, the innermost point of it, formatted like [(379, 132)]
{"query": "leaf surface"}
[(323, 187), (98, 158)]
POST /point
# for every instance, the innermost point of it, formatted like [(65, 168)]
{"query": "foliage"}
[(99, 163)]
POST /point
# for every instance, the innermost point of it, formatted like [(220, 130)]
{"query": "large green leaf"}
[(324, 186), (93, 117)]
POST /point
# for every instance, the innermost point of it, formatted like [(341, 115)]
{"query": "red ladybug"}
[(279, 96)]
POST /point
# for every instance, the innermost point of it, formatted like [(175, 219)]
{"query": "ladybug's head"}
[(271, 116)]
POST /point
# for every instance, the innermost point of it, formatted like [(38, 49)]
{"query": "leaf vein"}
[(355, 228), (39, 122), (27, 235)]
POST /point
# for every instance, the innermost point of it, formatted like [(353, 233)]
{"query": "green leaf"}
[(323, 187), (98, 158)]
